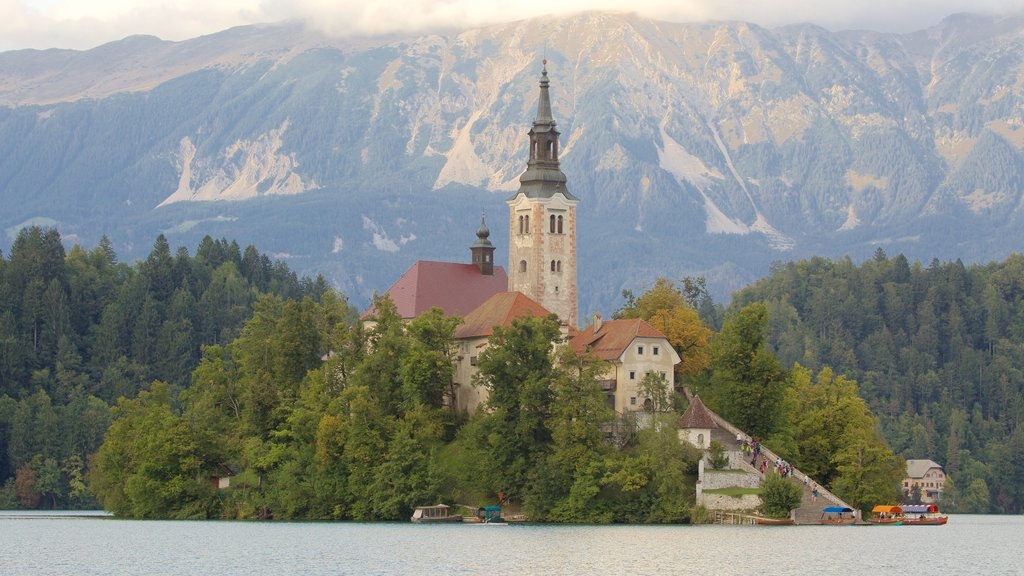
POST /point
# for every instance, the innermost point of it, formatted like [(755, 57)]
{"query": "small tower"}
[(483, 250), (542, 222)]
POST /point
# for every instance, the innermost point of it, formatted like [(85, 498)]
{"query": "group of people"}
[(749, 447)]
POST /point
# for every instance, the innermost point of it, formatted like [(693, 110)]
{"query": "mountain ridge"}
[(710, 149)]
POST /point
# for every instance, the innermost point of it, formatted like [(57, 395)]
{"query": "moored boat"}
[(774, 521), (432, 514), (886, 515), (838, 515), (923, 515)]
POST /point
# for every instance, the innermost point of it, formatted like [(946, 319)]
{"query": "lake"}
[(60, 544)]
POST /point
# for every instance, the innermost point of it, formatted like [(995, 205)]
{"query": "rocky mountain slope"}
[(710, 149)]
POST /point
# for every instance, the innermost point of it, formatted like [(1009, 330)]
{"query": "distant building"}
[(472, 336), (542, 222), (696, 424), (927, 476), (632, 348), (455, 288)]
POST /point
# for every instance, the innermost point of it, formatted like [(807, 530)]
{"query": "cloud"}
[(80, 24)]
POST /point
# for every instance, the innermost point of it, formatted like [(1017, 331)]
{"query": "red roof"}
[(454, 288), (613, 337), (697, 415), (499, 310)]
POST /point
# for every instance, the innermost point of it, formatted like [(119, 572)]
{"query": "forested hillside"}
[(937, 350), (79, 329)]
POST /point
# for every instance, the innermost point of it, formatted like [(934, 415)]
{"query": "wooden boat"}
[(774, 521), (923, 515), (433, 514), (886, 515), (838, 516)]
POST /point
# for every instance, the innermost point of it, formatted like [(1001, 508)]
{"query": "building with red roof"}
[(633, 348), (472, 337)]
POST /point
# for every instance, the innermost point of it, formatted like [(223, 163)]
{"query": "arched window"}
[(522, 265), (552, 225), (559, 224), (700, 440), (551, 150), (520, 224), (558, 266), (552, 265), (527, 220)]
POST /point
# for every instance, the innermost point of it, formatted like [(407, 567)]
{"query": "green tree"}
[(779, 496), (748, 385), (518, 371)]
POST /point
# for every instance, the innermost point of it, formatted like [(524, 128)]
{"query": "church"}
[(541, 278)]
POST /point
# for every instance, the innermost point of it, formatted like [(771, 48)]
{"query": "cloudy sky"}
[(84, 24)]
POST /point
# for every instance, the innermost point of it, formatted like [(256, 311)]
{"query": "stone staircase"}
[(810, 508)]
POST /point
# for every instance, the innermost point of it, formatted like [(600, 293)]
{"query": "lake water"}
[(64, 545)]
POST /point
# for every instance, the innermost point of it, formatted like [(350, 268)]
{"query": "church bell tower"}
[(542, 222)]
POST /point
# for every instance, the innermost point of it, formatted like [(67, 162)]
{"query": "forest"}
[(138, 387), (937, 351)]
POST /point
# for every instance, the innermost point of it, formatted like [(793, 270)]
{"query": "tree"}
[(666, 308), (747, 382), (779, 496), (427, 367), (653, 388), (518, 372)]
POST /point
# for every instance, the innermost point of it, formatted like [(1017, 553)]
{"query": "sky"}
[(83, 24)]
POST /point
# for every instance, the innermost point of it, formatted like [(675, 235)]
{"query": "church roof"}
[(917, 468), (697, 415), (610, 338), (499, 310), (454, 288)]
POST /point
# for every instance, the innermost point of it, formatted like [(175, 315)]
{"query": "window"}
[(552, 265), (522, 265), (521, 225), (639, 350), (527, 220), (632, 375), (654, 350), (472, 360), (559, 267), (559, 225), (632, 400), (552, 224)]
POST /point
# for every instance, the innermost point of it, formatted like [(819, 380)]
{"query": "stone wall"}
[(732, 503), (715, 479)]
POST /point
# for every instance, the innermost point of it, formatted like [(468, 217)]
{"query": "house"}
[(928, 477), (472, 335), (633, 349)]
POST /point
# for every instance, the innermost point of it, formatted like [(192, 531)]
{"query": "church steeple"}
[(542, 221), (482, 249), (543, 177)]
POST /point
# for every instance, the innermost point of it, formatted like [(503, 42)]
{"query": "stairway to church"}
[(810, 508)]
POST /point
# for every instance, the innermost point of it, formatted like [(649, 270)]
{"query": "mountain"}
[(710, 149)]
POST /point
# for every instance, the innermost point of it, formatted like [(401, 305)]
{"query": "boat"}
[(838, 515), (923, 515), (434, 514), (489, 515), (762, 521), (886, 515)]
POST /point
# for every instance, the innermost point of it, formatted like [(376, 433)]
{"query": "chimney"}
[(597, 322)]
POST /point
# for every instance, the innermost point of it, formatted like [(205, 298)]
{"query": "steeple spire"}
[(482, 249), (543, 177), (544, 116)]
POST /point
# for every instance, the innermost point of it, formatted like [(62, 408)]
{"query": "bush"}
[(779, 496), (717, 456)]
